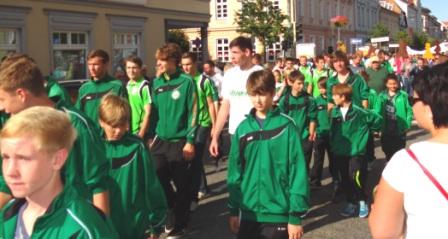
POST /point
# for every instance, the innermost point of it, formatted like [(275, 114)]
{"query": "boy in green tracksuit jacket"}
[(318, 72), (322, 141), (138, 205), (349, 132), (175, 99), (100, 84), (300, 106), (266, 151), (344, 75), (44, 207), (393, 105), (86, 168)]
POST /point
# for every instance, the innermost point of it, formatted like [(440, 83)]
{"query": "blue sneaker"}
[(349, 210), (363, 209)]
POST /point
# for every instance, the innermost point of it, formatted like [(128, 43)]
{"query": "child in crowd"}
[(349, 133), (266, 143), (35, 144), (321, 143), (138, 205), (300, 106), (393, 105)]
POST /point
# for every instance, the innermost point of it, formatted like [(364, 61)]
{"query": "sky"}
[(435, 6)]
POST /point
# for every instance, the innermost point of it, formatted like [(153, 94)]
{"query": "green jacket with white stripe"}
[(68, 216), (267, 177), (137, 200)]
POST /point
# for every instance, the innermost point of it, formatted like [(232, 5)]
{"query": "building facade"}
[(58, 34), (411, 11), (367, 15), (431, 25), (390, 17)]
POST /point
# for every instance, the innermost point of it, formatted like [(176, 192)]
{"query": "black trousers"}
[(390, 144), (307, 148), (322, 145), (197, 165), (258, 230), (171, 166), (370, 149), (353, 171)]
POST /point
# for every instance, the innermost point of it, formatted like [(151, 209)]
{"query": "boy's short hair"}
[(295, 75), (393, 77), (322, 82), (261, 82), (134, 59), (290, 59), (51, 128), (114, 110), (99, 53), (341, 56), (190, 55), (258, 57), (209, 62), (169, 51), (343, 90), (21, 71), (242, 42), (319, 57)]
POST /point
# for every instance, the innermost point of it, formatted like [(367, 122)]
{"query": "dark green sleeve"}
[(363, 89), (330, 91), (193, 110), (298, 178), (154, 194), (234, 176), (409, 112), (281, 104), (375, 120), (92, 157), (312, 110)]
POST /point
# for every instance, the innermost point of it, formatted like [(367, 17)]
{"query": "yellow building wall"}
[(37, 42)]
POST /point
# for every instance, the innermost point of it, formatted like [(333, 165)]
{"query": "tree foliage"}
[(180, 38), (419, 39), (260, 19), (403, 35), (379, 30)]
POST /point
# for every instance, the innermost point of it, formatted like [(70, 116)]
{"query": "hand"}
[(214, 148), (141, 135), (153, 236), (234, 223), (188, 151), (295, 231), (312, 137), (376, 134)]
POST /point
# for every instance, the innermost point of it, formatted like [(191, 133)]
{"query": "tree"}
[(379, 30), (260, 19), (419, 39), (403, 35), (180, 38)]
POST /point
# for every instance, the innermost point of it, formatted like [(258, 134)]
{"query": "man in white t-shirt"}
[(236, 102)]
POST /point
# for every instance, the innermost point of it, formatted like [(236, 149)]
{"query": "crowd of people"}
[(127, 160)]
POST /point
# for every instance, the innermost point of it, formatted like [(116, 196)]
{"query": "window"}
[(127, 40), (221, 9), (124, 45), (276, 4), (196, 48), (222, 50), (69, 55), (12, 29), (9, 41), (273, 51), (70, 43), (301, 8)]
